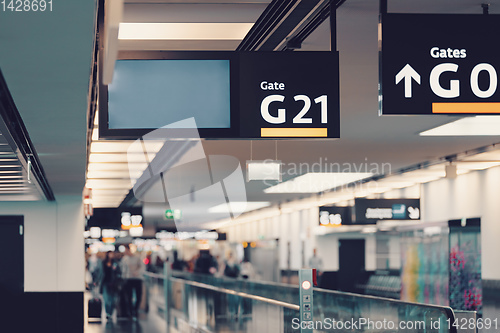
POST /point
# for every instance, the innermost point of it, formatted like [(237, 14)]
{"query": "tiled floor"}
[(151, 322), (491, 312), (147, 323)]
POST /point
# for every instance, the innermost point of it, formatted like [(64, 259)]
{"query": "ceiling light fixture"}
[(316, 182), (239, 207), (183, 31), (470, 126)]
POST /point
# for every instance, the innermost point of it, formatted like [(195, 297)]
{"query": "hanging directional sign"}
[(439, 64), (240, 95), (371, 210), (289, 95)]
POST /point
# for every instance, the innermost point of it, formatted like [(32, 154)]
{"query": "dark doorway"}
[(351, 264), (12, 271)]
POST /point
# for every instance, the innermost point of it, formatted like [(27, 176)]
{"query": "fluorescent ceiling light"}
[(109, 147), (125, 147), (183, 31), (108, 184), (238, 207), (95, 134), (111, 158), (423, 178), (109, 192), (106, 200), (493, 155), (476, 165), (470, 126), (108, 197), (113, 174), (315, 182), (395, 183), (117, 166), (419, 176)]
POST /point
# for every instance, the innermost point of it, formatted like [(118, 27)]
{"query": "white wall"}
[(475, 194), (394, 253), (298, 228), (328, 249), (53, 243)]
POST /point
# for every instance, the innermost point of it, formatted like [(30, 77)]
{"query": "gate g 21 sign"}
[(289, 95), (439, 64), (240, 95)]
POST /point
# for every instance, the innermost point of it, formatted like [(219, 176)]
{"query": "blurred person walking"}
[(231, 269), (247, 270), (220, 266), (178, 264), (316, 262), (110, 282), (206, 263), (132, 272), (95, 270)]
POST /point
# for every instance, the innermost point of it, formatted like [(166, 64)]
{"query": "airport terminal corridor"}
[(270, 166)]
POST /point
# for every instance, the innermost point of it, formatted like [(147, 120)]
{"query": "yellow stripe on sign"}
[(294, 132), (483, 107)]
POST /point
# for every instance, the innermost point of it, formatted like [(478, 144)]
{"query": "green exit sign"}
[(171, 214)]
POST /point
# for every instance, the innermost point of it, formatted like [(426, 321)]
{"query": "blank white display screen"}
[(148, 94)]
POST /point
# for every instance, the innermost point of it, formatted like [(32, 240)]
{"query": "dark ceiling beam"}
[(285, 24), (13, 126), (274, 13), (313, 24)]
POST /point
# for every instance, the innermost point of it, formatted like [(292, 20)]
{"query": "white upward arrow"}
[(407, 73)]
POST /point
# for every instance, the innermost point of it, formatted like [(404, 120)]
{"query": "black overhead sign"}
[(372, 210), (257, 95), (111, 217), (289, 94), (439, 64), (332, 216)]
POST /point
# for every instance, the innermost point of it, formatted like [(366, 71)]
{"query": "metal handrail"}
[(154, 275), (391, 300), (343, 293), (224, 278), (237, 293), (448, 311)]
